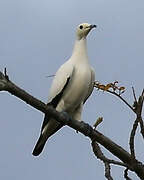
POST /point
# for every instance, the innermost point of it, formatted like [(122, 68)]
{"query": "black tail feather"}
[(39, 147)]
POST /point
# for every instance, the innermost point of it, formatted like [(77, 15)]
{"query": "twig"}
[(50, 75), (132, 135), (97, 151), (99, 154), (126, 174), (5, 74), (114, 93), (140, 104), (135, 99), (138, 111), (114, 87), (98, 121), (107, 171), (142, 127)]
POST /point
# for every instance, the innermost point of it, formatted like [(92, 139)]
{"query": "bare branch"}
[(114, 93), (5, 74), (135, 99), (114, 87), (84, 128), (97, 151), (98, 121), (137, 108), (132, 135), (140, 104), (141, 126), (107, 171), (99, 154), (138, 111)]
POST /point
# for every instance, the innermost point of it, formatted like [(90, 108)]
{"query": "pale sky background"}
[(36, 37)]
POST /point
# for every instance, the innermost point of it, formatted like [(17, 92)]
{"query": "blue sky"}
[(36, 37)]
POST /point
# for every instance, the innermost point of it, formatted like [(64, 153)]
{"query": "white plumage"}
[(72, 85)]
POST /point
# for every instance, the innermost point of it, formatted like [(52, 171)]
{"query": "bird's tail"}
[(39, 146)]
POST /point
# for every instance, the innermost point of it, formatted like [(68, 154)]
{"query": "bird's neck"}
[(80, 50)]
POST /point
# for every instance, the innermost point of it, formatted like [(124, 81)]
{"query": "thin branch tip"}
[(134, 95), (5, 74)]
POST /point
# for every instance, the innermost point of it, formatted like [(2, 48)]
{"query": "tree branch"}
[(132, 135), (99, 154), (138, 110), (84, 128), (142, 127), (134, 95), (114, 93), (107, 171), (114, 87)]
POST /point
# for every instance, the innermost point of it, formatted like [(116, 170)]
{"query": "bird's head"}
[(83, 30)]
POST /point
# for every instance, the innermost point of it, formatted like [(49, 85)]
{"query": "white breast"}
[(77, 91)]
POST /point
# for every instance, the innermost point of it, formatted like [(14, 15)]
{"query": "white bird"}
[(71, 87)]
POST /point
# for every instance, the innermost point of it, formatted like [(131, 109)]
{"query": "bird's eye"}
[(81, 27)]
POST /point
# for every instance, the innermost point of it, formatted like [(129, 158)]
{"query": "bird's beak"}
[(93, 26)]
